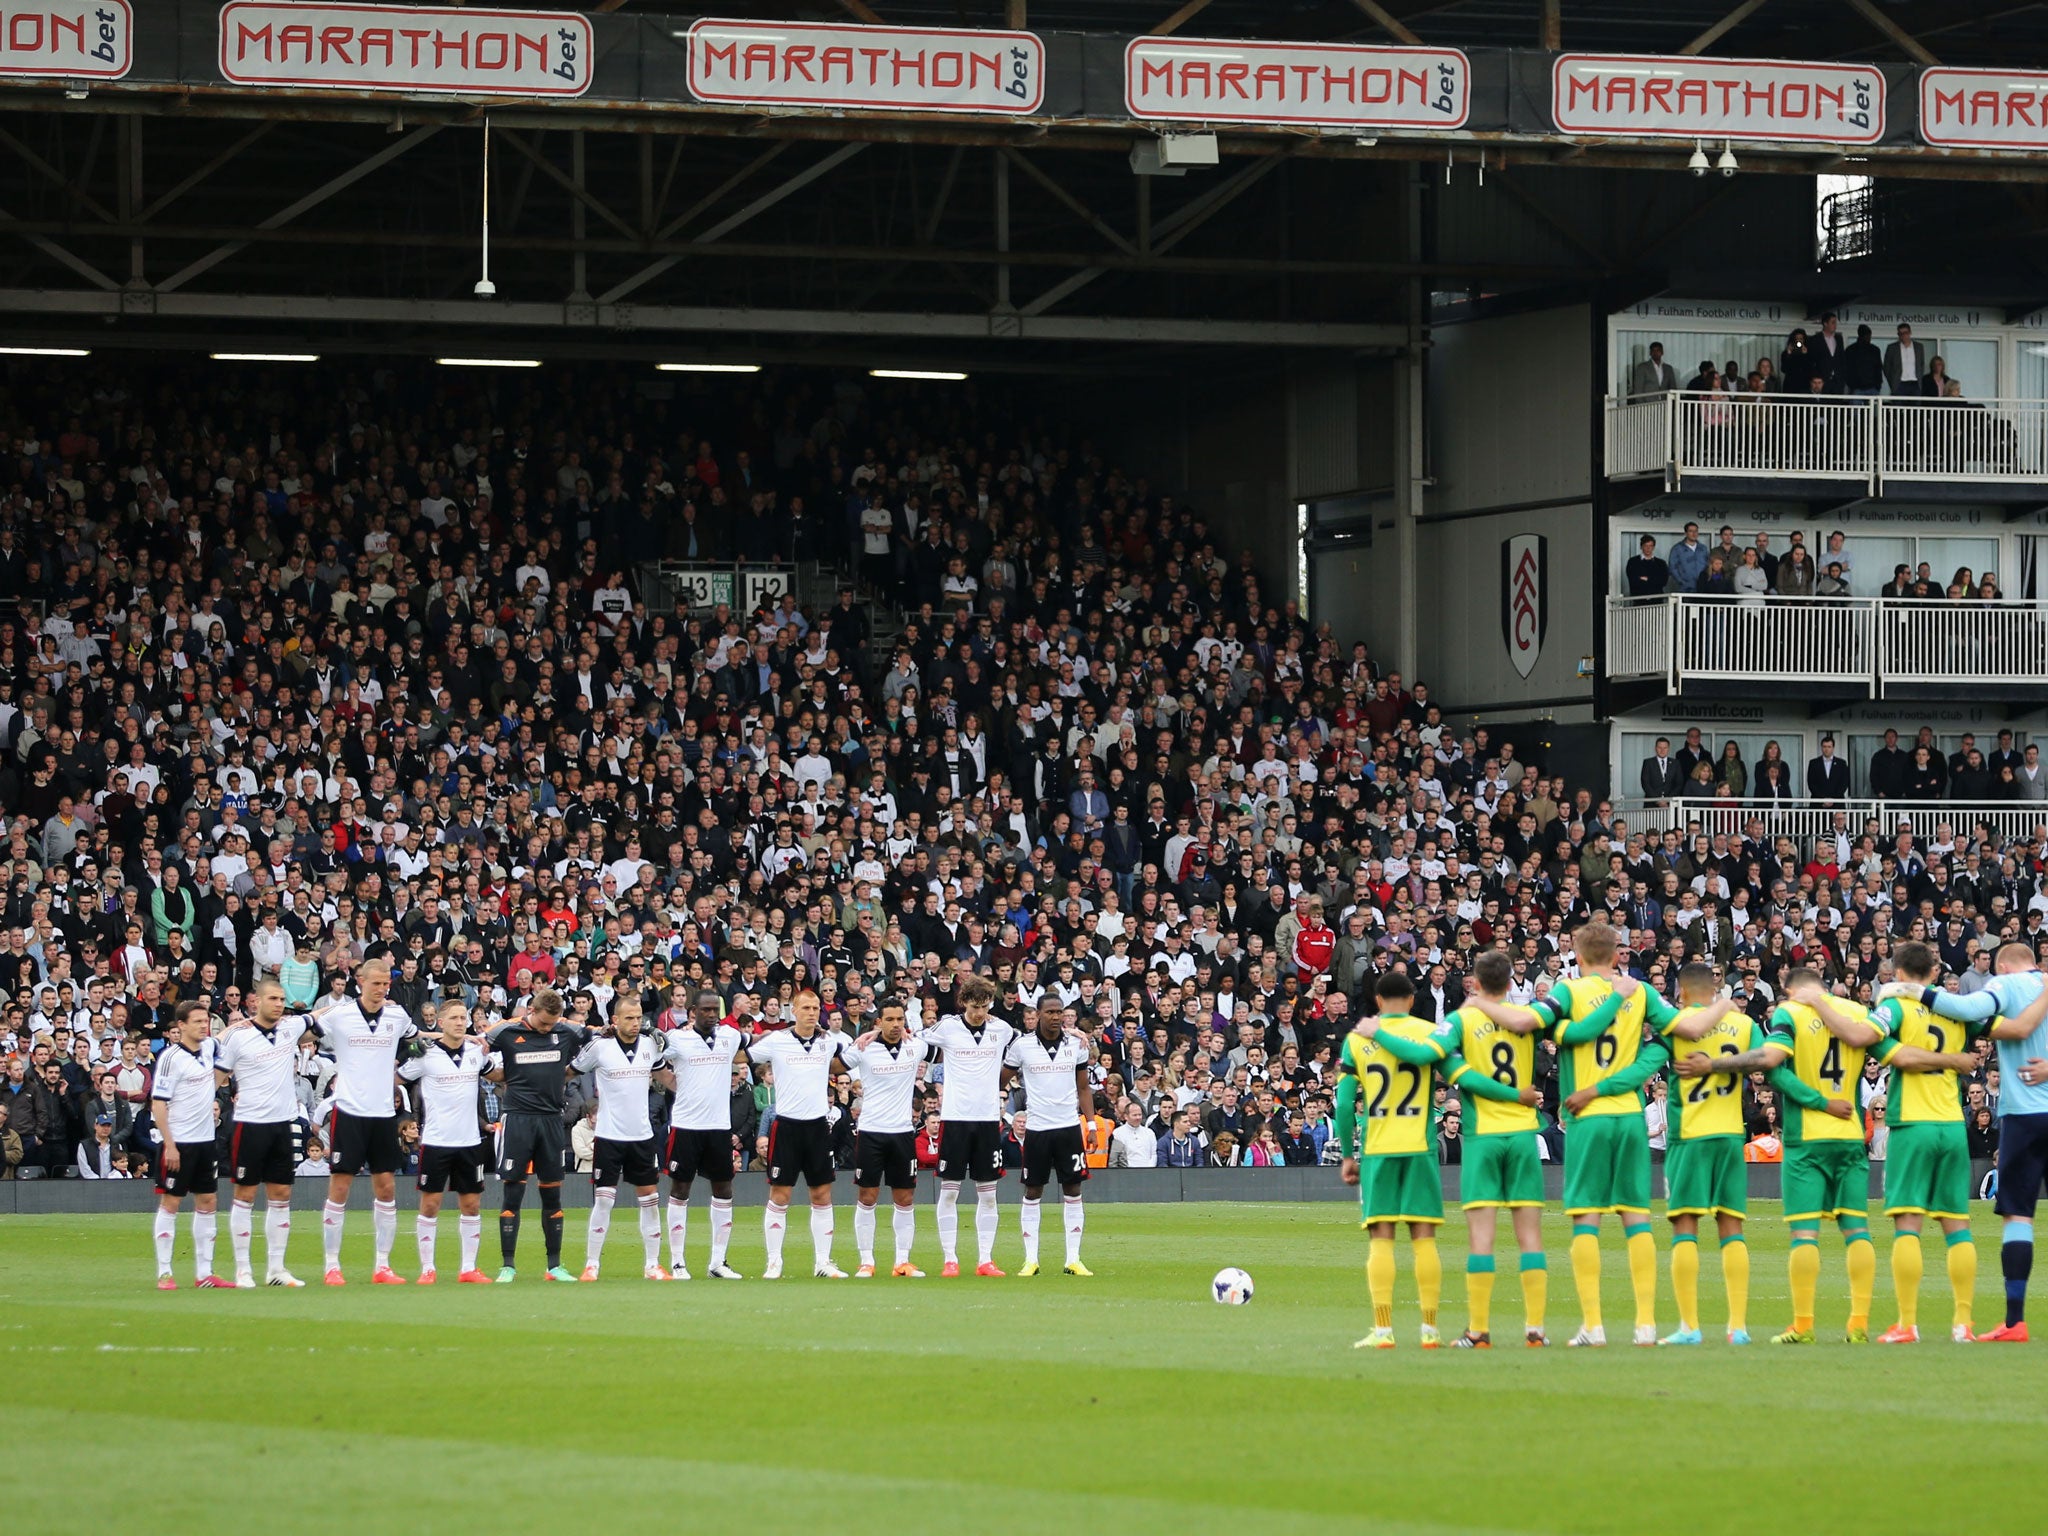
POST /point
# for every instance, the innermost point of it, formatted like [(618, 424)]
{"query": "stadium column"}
[(1414, 461)]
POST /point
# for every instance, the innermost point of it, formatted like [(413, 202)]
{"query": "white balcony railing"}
[(1880, 644), (1827, 437), (1806, 821)]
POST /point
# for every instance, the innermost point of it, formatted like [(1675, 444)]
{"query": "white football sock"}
[(383, 1229), (241, 1225), (721, 1230), (985, 1222), (165, 1230), (1070, 1209), (821, 1235), (678, 1231), (202, 1242), (424, 1229), (650, 1231), (1027, 1223), (864, 1231), (331, 1218), (472, 1230), (774, 1219), (277, 1231), (949, 1222), (600, 1225), (904, 1219)]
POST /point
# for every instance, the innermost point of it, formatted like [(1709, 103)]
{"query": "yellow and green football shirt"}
[(1501, 1054), (1396, 1081), (1823, 1063), (1710, 1105), (1912, 1098), (1609, 1049)]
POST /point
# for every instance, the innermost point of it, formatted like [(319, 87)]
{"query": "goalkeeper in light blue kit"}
[(2018, 998)]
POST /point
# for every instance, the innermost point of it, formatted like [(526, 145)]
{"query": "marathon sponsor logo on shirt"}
[(445, 52), (1759, 100), (1984, 108), (529, 1058), (75, 39), (1192, 79), (906, 69)]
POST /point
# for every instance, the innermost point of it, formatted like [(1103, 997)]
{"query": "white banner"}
[(1683, 98), (451, 52), (1208, 80), (906, 69), (764, 589), (1984, 108), (77, 39)]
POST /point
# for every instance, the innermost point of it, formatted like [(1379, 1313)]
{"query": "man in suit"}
[(1888, 765), (1905, 363), (1653, 376), (1439, 997), (1827, 776), (2004, 756), (2032, 776), (1692, 754), (1828, 347), (1662, 778)]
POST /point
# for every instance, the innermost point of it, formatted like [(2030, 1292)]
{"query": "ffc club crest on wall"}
[(1524, 598)]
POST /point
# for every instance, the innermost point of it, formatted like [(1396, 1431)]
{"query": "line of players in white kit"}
[(374, 1042)]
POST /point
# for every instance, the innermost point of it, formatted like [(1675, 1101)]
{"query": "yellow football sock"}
[(1685, 1279), (1962, 1274), (1805, 1267), (1379, 1279), (1642, 1274), (1429, 1278), (1906, 1267), (1861, 1259), (1586, 1274), (1479, 1293), (1735, 1280), (1535, 1294)]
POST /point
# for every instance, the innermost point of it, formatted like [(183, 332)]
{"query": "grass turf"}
[(1129, 1401)]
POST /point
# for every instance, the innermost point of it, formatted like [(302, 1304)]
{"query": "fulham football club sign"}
[(1524, 598)]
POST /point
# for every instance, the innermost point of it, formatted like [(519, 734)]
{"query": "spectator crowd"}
[(305, 670)]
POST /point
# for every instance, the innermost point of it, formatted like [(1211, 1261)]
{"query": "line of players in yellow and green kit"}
[(1812, 1052)]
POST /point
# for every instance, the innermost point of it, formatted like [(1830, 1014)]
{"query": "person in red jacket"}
[(1315, 946)]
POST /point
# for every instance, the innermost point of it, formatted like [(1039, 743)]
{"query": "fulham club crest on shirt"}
[(1524, 598)]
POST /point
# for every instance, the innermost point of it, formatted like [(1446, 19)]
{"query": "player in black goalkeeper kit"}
[(534, 1053)]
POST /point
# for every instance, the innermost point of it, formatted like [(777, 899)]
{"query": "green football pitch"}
[(1128, 1402)]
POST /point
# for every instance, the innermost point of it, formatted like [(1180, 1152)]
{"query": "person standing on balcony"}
[(1798, 364), (1766, 559), (1905, 363), (1837, 551), (1901, 584), (1750, 581), (1972, 781), (1646, 574), (1862, 366), (1688, 560), (2033, 778), (1834, 583), (1827, 776), (1925, 779), (1829, 349), (1889, 765), (1795, 573), (1653, 376), (1662, 779), (1934, 383), (2005, 755), (1773, 774)]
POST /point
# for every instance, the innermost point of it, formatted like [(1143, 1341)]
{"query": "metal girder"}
[(1914, 48), (415, 314), (50, 173), (733, 221), (861, 11), (290, 211), (1723, 27), (566, 181), (58, 253), (1180, 18), (1387, 19), (1067, 200), (164, 200), (1550, 32)]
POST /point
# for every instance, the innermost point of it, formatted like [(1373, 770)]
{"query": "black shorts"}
[(2022, 1163), (197, 1173), (457, 1169), (885, 1157), (691, 1155), (800, 1149), (971, 1149), (539, 1143), (1054, 1157), (265, 1153), (356, 1140), (632, 1161)]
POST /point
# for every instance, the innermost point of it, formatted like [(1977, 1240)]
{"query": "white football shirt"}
[(1052, 1095), (448, 1092), (365, 1057), (263, 1065), (703, 1071), (184, 1080), (888, 1082), (973, 1086), (803, 1070), (623, 1076)]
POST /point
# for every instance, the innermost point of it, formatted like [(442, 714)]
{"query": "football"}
[(1231, 1287)]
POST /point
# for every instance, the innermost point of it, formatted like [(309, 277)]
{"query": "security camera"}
[(486, 289), (1726, 164), (1698, 163)]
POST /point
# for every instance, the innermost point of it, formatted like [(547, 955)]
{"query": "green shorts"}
[(1826, 1178), (1927, 1170), (1502, 1169), (1405, 1186), (1606, 1165), (1706, 1177)]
